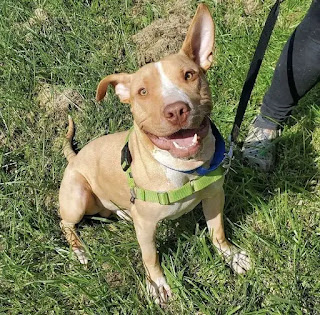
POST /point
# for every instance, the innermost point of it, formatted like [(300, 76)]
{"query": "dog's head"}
[(170, 99)]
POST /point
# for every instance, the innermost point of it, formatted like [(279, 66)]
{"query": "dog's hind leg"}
[(69, 231), (76, 200)]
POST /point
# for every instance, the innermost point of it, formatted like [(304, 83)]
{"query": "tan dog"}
[(170, 102)]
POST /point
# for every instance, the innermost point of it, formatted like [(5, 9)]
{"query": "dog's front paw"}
[(159, 290), (238, 261)]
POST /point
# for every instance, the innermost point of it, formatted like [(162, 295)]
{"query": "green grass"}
[(274, 217)]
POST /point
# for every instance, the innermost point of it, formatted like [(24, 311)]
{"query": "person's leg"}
[(297, 71), (298, 68)]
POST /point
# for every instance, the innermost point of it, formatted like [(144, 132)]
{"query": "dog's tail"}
[(67, 145)]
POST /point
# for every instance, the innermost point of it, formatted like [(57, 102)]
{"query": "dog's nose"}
[(177, 113)]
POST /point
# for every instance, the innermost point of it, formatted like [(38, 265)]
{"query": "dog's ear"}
[(199, 42), (121, 83)]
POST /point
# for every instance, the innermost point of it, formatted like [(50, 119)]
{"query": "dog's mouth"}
[(183, 143)]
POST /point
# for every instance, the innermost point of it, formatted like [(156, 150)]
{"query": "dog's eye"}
[(143, 92), (188, 75)]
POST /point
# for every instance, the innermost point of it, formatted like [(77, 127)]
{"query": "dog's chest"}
[(178, 179), (180, 208)]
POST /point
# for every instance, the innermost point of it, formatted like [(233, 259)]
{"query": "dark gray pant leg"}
[(297, 71)]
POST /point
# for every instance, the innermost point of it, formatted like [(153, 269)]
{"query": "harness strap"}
[(172, 196), (166, 197)]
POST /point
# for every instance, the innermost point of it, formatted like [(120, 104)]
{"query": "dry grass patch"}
[(163, 36), (250, 6), (56, 99), (40, 17)]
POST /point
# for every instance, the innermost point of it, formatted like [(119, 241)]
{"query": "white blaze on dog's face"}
[(170, 99)]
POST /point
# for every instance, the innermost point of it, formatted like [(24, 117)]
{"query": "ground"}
[(59, 50)]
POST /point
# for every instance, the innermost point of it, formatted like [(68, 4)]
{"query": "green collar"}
[(166, 197)]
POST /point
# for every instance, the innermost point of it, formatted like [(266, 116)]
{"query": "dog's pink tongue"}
[(183, 138)]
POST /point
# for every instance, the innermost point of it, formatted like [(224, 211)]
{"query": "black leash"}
[(254, 70)]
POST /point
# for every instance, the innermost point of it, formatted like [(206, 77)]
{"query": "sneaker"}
[(258, 148)]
